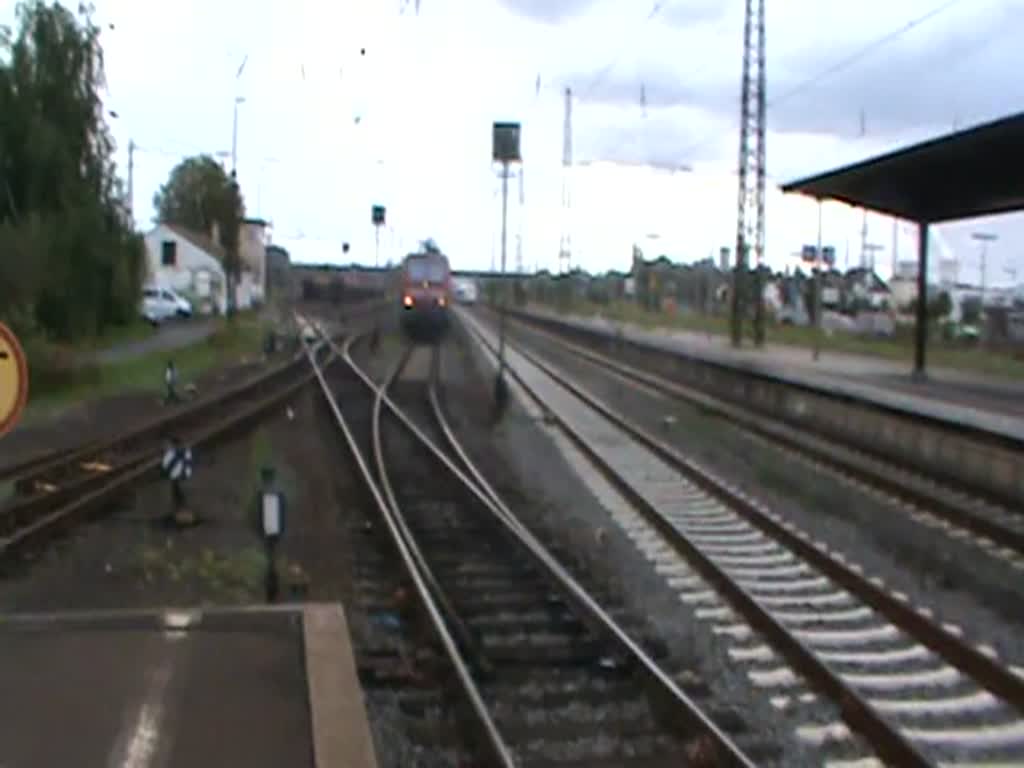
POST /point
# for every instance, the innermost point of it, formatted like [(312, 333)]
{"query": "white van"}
[(466, 291), (160, 304)]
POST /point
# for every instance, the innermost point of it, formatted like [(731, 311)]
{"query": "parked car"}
[(159, 304), (183, 307)]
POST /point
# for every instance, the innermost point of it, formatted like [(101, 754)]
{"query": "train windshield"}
[(425, 270)]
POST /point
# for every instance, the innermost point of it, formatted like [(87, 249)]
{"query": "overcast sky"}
[(348, 104)]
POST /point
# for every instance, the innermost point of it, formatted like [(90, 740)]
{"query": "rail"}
[(31, 521), (857, 712), (498, 752), (590, 610), (905, 484)]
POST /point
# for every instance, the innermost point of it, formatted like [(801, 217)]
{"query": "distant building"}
[(188, 262), (252, 251), (904, 290), (278, 266)]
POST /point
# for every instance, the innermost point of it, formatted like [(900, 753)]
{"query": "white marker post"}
[(272, 523)]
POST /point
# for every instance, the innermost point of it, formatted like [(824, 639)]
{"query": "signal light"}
[(441, 301), (407, 300)]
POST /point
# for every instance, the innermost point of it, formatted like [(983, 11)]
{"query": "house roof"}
[(969, 173), (198, 239)]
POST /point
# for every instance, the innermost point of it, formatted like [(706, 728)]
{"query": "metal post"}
[(131, 180), (984, 238), (921, 319), (504, 295), (817, 290), (736, 313), (376, 246), (500, 386), (234, 142), (758, 307)]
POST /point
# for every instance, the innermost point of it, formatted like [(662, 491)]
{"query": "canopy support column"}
[(921, 319)]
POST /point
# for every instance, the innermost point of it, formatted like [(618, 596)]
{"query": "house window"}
[(168, 253)]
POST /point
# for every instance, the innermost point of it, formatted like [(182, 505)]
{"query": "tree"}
[(73, 266), (970, 310), (199, 194), (941, 306)]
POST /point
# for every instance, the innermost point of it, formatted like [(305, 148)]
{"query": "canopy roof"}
[(964, 174)]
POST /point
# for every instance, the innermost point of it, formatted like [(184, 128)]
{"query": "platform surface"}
[(988, 403), (169, 688)]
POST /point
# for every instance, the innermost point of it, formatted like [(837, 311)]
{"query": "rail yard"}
[(641, 559)]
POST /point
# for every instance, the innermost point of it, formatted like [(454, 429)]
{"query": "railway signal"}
[(171, 382), (505, 150), (377, 216), (177, 467), (13, 379)]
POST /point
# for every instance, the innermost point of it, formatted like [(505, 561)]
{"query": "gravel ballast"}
[(540, 485), (959, 582)]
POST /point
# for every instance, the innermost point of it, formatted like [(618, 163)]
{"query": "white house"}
[(188, 262)]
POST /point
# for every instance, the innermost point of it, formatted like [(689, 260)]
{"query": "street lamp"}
[(234, 137), (984, 238), (816, 350), (505, 150)]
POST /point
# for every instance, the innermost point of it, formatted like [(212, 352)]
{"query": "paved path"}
[(155, 691), (172, 335)]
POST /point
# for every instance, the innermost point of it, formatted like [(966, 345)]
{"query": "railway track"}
[(549, 676), (56, 492), (795, 613), (997, 530)]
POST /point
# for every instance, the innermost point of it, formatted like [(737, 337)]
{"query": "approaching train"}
[(425, 294)]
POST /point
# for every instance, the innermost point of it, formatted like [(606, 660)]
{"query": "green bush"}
[(56, 368)]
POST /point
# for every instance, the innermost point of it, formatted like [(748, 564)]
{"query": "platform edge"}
[(341, 730)]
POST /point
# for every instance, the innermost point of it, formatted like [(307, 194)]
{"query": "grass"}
[(237, 576), (898, 349), (123, 334), (229, 343), (230, 574)]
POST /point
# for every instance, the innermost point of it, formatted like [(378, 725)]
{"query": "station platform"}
[(993, 405), (256, 687)]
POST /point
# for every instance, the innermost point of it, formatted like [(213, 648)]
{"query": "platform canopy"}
[(969, 173)]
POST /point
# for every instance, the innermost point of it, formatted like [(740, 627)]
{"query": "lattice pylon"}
[(751, 194)]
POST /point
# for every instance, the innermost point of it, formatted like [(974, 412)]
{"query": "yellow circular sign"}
[(13, 379)]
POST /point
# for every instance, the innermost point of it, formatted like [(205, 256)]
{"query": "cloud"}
[(430, 85), (961, 71), (693, 12), (666, 111), (549, 11)]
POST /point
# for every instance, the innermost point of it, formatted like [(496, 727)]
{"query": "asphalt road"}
[(171, 335)]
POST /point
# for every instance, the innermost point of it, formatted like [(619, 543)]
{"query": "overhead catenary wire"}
[(840, 65), (602, 73)]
